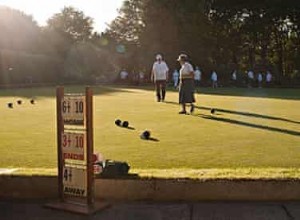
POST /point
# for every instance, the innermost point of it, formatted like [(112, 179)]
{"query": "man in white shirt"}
[(197, 76), (159, 76), (214, 79)]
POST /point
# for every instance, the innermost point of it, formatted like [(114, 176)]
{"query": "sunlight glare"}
[(102, 11)]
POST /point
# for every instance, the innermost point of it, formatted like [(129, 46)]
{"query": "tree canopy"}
[(217, 35), (222, 35), (71, 23)]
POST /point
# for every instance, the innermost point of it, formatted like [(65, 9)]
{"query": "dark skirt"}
[(186, 91)]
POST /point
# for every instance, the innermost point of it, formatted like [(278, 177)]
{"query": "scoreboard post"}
[(75, 147)]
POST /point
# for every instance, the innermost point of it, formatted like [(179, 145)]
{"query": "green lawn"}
[(253, 129)]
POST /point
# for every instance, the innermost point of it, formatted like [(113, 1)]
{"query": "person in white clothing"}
[(141, 77), (259, 79), (123, 75), (175, 78), (197, 76), (268, 78), (214, 79), (250, 78), (159, 76), (186, 86), (234, 78)]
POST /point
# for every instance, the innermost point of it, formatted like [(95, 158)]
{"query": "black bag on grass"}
[(112, 168)]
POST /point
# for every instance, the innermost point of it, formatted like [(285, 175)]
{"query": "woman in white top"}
[(186, 86)]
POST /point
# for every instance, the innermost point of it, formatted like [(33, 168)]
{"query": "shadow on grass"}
[(153, 139), (171, 102), (40, 92), (249, 114), (276, 93), (150, 139), (237, 122)]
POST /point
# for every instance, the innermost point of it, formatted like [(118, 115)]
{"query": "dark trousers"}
[(160, 87)]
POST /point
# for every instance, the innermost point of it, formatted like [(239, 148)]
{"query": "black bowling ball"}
[(10, 105), (118, 122), (146, 135), (125, 124)]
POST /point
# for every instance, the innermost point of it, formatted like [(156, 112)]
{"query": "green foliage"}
[(65, 50), (24, 54), (18, 31), (72, 24), (129, 24), (87, 62), (217, 34)]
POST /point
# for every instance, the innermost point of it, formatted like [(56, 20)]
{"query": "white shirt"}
[(197, 75), (234, 75), (160, 70), (250, 75), (214, 76), (185, 70), (141, 74), (269, 77), (123, 74), (259, 77), (175, 74)]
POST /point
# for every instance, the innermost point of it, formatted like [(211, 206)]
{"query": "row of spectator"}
[(250, 78)]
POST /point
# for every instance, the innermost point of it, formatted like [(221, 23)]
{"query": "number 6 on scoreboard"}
[(73, 110)]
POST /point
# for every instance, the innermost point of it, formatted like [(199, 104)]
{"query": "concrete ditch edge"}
[(36, 187)]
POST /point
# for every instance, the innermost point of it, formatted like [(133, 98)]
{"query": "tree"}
[(18, 31), (85, 62), (72, 24), (160, 26), (66, 28), (22, 49), (224, 35), (128, 26)]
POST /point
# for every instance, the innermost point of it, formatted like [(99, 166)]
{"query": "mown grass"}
[(251, 130)]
